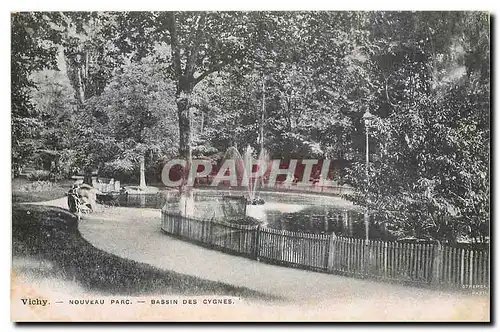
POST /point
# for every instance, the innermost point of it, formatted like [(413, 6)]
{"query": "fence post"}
[(436, 263), (210, 232), (282, 245), (367, 257), (330, 258), (257, 242), (386, 254), (462, 267), (203, 230), (471, 267)]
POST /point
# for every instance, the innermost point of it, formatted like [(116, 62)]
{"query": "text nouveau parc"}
[(156, 301)]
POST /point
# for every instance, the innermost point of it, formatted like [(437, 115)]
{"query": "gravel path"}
[(136, 234)]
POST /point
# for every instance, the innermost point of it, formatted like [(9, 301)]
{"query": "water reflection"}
[(293, 212), (153, 201)]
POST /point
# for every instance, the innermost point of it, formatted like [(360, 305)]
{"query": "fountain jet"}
[(244, 171)]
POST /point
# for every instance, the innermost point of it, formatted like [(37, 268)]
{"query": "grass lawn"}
[(51, 234), (22, 190)]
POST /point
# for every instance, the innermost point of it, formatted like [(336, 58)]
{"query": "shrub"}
[(243, 220), (123, 170), (40, 175), (38, 186)]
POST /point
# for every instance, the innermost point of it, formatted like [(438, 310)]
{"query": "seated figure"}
[(81, 198)]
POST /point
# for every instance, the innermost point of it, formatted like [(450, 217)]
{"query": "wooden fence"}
[(430, 264)]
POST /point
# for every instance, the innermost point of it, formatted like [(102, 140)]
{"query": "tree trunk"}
[(76, 74), (202, 125), (87, 177), (184, 128), (142, 183), (184, 136), (79, 88)]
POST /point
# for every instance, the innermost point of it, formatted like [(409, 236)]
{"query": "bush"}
[(122, 170), (37, 191), (40, 175), (69, 162), (38, 186), (243, 220)]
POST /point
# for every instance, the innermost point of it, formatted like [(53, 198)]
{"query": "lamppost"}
[(262, 119), (367, 117)]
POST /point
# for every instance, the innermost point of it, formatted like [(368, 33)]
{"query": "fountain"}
[(244, 171), (186, 204)]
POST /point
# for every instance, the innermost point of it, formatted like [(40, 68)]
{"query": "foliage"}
[(201, 43), (54, 101), (38, 185), (109, 90), (431, 134), (134, 117), (244, 220), (40, 175), (94, 45), (33, 47), (37, 191), (313, 88)]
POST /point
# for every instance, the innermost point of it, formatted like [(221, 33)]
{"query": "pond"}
[(325, 220), (151, 201), (298, 212)]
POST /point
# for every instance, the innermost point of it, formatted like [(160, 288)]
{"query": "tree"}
[(53, 99), (94, 44), (136, 113), (33, 48), (201, 44), (97, 42), (431, 132), (315, 82)]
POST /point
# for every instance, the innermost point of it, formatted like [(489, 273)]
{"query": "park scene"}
[(321, 165)]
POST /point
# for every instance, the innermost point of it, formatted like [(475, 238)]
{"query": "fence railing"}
[(313, 188), (405, 262)]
